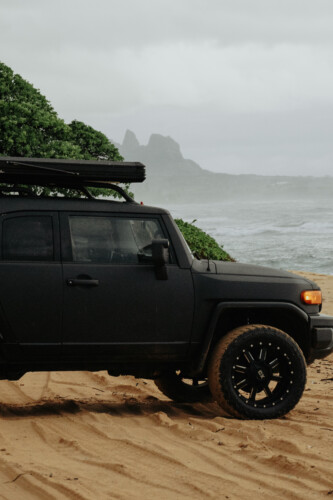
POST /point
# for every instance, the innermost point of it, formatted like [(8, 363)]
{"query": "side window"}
[(28, 238), (145, 231), (112, 239), (91, 238)]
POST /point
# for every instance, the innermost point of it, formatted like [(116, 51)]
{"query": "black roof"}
[(68, 172), (16, 204)]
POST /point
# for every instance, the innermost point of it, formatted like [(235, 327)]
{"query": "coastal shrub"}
[(202, 244)]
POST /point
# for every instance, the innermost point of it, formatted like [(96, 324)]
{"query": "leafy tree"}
[(202, 245), (93, 144), (30, 127)]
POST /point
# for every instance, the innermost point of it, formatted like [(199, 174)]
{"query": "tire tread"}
[(214, 368)]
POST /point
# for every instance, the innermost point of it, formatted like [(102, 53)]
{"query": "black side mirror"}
[(160, 254)]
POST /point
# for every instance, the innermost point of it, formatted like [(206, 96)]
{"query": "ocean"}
[(288, 234)]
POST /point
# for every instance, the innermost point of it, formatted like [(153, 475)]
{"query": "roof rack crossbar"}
[(123, 193), (76, 184), (87, 193)]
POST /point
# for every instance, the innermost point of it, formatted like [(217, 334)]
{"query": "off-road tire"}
[(257, 372), (183, 390)]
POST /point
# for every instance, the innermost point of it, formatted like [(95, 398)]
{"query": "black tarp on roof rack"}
[(15, 169)]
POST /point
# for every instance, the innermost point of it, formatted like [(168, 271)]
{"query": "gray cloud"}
[(129, 23), (243, 86)]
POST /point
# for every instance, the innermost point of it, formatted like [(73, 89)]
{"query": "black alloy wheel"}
[(258, 372)]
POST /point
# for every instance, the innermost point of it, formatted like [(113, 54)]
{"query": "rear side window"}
[(113, 240), (28, 238)]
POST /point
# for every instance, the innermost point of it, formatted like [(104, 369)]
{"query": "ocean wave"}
[(306, 228), (287, 235)]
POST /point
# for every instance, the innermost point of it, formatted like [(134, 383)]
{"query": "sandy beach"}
[(89, 436)]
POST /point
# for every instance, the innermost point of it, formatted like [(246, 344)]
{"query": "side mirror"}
[(160, 255)]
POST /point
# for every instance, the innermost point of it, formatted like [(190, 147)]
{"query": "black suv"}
[(90, 284)]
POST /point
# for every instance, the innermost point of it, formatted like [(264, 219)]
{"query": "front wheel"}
[(184, 390), (257, 372)]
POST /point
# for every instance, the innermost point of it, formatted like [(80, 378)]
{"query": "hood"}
[(236, 268), (250, 270)]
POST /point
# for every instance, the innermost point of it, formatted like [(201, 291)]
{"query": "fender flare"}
[(223, 307)]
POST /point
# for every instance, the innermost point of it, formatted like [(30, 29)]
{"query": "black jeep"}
[(91, 284)]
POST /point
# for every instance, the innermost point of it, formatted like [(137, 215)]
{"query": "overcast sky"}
[(245, 86)]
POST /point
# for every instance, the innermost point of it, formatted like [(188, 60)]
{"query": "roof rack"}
[(75, 174)]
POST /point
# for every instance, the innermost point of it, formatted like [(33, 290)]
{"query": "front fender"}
[(223, 308)]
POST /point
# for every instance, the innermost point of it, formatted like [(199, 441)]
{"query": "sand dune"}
[(89, 436)]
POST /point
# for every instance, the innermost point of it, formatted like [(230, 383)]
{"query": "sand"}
[(89, 436)]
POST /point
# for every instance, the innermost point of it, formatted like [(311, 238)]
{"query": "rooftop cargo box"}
[(35, 170)]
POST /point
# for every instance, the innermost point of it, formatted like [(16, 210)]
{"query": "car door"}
[(31, 285), (115, 308)]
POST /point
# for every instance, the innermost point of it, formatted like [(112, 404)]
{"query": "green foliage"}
[(30, 127), (202, 245), (93, 144)]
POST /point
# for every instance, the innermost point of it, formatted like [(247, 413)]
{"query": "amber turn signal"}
[(311, 297)]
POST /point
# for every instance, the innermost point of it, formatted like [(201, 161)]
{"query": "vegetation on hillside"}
[(202, 244)]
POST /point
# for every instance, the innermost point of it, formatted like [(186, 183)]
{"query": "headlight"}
[(311, 297)]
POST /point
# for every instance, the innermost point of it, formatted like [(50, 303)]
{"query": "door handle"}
[(82, 282)]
